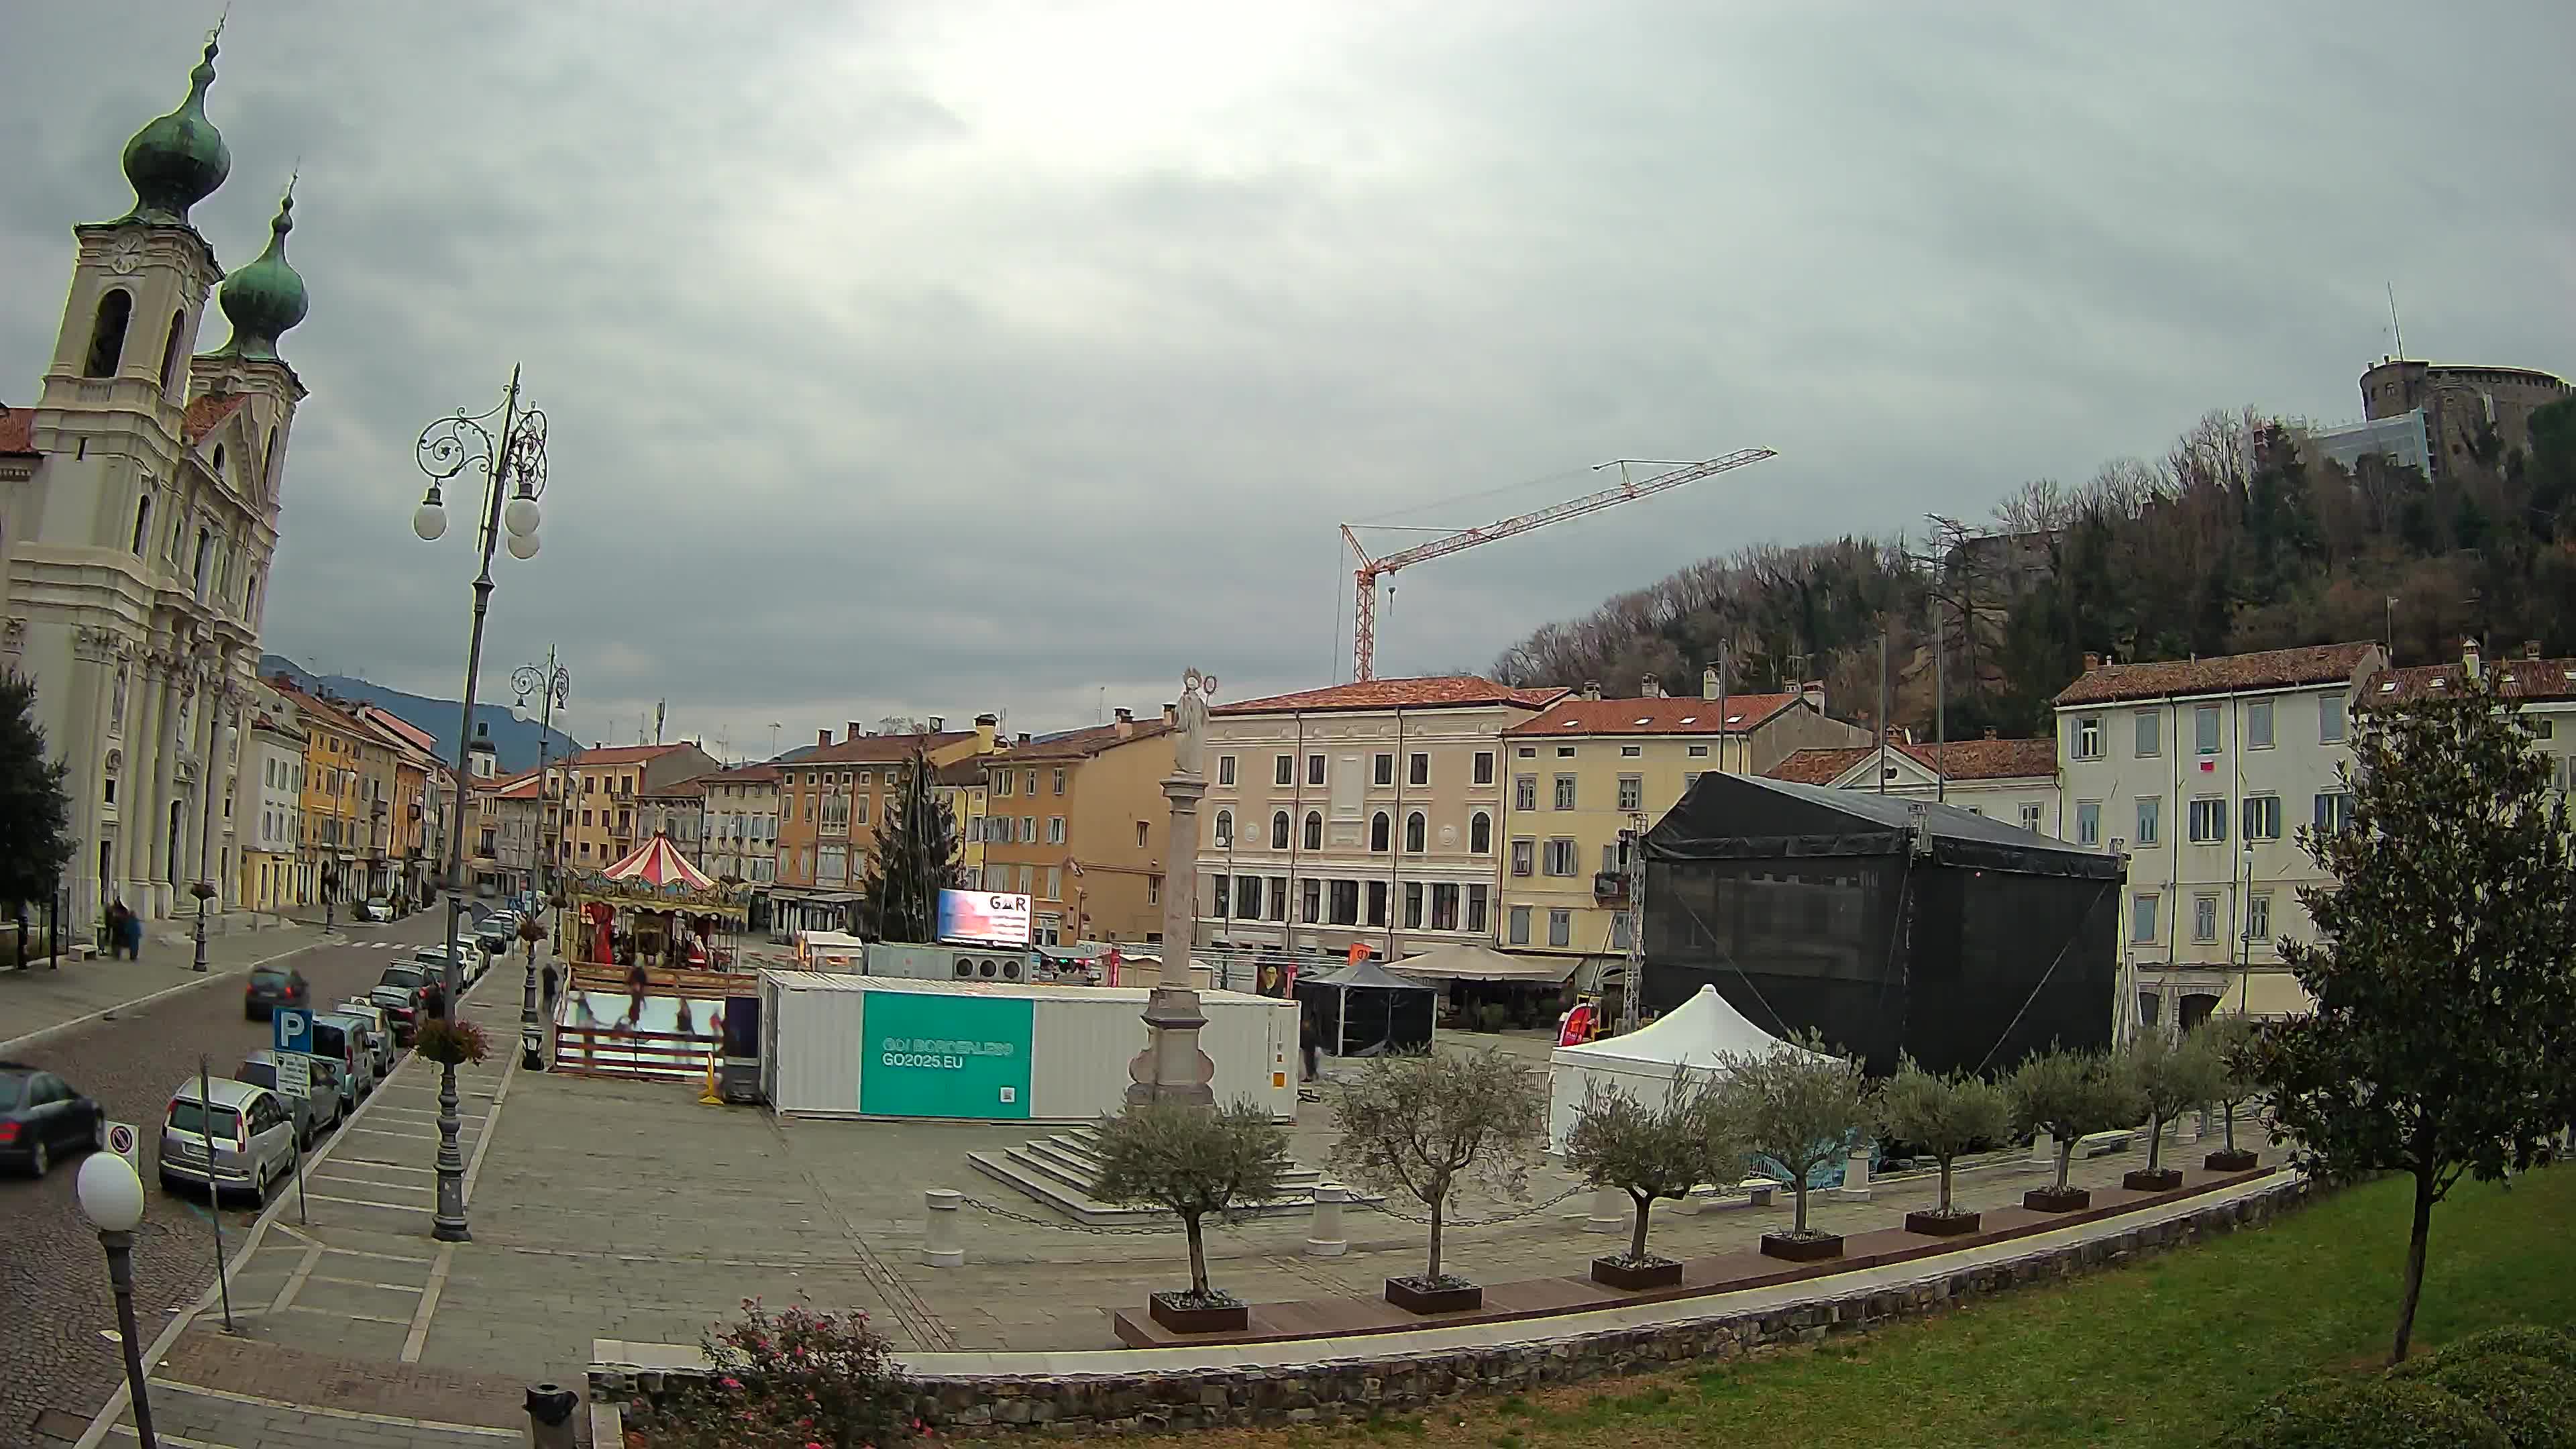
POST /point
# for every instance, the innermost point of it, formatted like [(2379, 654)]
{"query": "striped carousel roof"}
[(658, 865)]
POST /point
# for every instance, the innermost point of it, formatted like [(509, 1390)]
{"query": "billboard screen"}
[(984, 918), (945, 1056)]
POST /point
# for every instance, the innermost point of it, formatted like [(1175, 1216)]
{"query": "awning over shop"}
[(1469, 962)]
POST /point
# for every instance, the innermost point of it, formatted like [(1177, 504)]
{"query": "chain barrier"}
[(1447, 1223), (1002, 1212)]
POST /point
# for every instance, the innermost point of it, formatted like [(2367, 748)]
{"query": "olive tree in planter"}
[(1798, 1105), (1427, 1125), (2172, 1077), (2230, 1041), (2068, 1095), (1947, 1117), (1651, 1153), (1191, 1162)]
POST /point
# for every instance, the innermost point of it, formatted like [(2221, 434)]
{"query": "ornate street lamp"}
[(553, 684), (111, 1197), (513, 465)]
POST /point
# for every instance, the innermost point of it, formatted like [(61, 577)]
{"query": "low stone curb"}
[(1361, 1385)]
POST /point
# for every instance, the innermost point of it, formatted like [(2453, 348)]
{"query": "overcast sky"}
[(940, 357)]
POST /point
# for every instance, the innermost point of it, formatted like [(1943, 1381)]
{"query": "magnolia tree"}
[(2444, 964), (1798, 1105), (1947, 1117), (1654, 1152), (1427, 1125), (2068, 1095), (2171, 1078), (1191, 1162)]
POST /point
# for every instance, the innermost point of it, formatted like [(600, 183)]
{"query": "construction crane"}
[(1364, 617)]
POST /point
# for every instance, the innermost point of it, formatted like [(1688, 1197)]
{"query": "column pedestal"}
[(1172, 1068)]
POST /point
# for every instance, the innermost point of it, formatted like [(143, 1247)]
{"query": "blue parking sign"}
[(294, 1029)]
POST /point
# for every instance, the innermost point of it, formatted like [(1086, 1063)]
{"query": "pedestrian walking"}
[(1309, 1047), (133, 936), (116, 915)]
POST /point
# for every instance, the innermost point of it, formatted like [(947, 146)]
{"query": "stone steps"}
[(1059, 1171)]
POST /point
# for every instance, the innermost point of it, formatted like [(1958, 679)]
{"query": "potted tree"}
[(2172, 1078), (1798, 1105), (2067, 1094), (1191, 1162), (1946, 1117), (1425, 1126), (2231, 1041), (1650, 1153)]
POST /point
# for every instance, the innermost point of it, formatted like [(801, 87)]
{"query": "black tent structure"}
[(1363, 1010), (1889, 925)]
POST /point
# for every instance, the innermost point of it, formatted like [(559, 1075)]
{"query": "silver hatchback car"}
[(250, 1129), (314, 1114)]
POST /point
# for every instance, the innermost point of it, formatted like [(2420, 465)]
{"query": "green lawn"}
[(2162, 1353)]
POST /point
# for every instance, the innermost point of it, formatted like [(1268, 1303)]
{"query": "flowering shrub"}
[(451, 1042), (794, 1377)]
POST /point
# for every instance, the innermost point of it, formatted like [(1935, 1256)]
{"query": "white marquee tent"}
[(1692, 1037)]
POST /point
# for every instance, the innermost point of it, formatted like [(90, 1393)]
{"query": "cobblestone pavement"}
[(53, 1282)]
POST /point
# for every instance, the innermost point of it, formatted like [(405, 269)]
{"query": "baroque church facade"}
[(138, 515)]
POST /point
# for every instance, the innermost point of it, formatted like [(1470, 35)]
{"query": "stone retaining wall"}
[(1404, 1383)]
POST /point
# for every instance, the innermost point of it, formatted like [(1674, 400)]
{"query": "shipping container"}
[(864, 1046)]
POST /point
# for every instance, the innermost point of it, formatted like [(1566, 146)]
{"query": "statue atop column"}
[(1189, 742)]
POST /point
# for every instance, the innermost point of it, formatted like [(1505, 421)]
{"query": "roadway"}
[(55, 1351)]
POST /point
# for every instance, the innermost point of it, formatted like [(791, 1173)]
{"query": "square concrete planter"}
[(1621, 1273), (2162, 1179), (2055, 1200), (2239, 1160), (1184, 1313), (1942, 1225), (1813, 1249), (1451, 1295)]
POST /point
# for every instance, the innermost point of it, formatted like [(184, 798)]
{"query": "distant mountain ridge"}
[(514, 741)]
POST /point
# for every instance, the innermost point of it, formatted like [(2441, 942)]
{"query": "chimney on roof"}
[(1708, 682), (855, 731), (986, 726), (1024, 737), (2092, 661), (2530, 648), (2469, 656), (939, 724), (823, 739), (1592, 689), (1650, 688), (1990, 732), (1813, 692)]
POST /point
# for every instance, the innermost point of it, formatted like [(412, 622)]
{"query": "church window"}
[(142, 523), (170, 352), (205, 552), (219, 460), (107, 334)]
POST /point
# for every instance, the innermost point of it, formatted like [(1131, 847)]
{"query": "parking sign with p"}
[(294, 1029)]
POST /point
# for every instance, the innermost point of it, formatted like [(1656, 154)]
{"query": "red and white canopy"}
[(657, 865)]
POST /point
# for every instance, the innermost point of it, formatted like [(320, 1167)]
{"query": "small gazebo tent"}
[(1691, 1038), (1363, 1010)]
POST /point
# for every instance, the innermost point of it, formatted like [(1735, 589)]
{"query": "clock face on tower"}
[(127, 256)]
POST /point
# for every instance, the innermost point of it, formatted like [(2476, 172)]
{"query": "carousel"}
[(655, 910)]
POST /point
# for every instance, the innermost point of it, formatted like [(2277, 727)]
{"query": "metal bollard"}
[(1855, 1186), (550, 1409), (940, 1245), (1609, 1214), (1326, 1237)]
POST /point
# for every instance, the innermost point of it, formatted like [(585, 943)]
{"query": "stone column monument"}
[(1171, 1068)]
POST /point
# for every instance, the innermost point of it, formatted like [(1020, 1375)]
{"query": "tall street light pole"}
[(111, 1197), (514, 460), (554, 684)]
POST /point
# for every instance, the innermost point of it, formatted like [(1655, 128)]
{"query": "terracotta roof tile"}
[(744, 775), (207, 413), (1965, 759), (1441, 691), (1661, 716), (17, 430), (2547, 679), (2226, 674), (879, 749), (620, 754), (1083, 744)]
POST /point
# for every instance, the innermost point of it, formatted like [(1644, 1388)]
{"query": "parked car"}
[(42, 1120), (269, 988), (376, 908), (401, 1008), (343, 1039), (250, 1129), (380, 1030), (324, 1107), (498, 930)]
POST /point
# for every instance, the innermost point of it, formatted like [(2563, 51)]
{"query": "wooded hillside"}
[(2236, 539)]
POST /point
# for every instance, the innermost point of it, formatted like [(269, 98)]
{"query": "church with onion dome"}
[(139, 502)]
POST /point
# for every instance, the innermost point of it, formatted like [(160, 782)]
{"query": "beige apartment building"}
[(831, 802), (1366, 814), (742, 824), (1078, 823), (1585, 771)]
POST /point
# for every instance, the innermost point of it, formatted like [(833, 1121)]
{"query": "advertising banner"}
[(946, 1056), (984, 918)]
